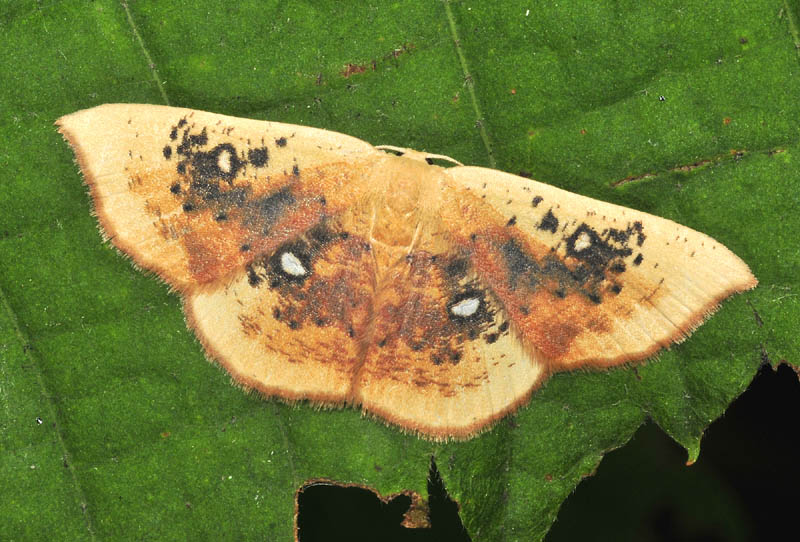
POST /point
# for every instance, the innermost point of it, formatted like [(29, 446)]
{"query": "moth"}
[(314, 266)]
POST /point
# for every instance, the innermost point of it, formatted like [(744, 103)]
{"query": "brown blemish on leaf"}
[(351, 69), (686, 168)]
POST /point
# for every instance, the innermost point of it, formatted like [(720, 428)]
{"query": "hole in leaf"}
[(328, 511), (743, 487)]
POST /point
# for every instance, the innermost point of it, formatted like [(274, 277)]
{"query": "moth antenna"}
[(399, 150), (417, 155), (442, 157)]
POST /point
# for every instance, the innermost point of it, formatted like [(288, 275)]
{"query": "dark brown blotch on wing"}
[(323, 279), (223, 205), (553, 293), (416, 321)]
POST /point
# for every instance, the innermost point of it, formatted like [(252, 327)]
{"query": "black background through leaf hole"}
[(743, 487), (327, 511)]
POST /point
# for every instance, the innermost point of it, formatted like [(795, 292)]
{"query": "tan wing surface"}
[(439, 357), (441, 360), (292, 327), (586, 282), (195, 196)]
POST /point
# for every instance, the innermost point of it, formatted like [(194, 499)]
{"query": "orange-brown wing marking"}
[(195, 196), (583, 281), (293, 324)]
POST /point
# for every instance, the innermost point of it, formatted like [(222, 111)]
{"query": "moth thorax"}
[(395, 227), (405, 191)]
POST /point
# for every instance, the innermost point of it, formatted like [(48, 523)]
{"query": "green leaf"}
[(695, 101)]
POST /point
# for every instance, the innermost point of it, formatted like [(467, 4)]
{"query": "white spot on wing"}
[(583, 242), (224, 161), (466, 307), (292, 265)]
